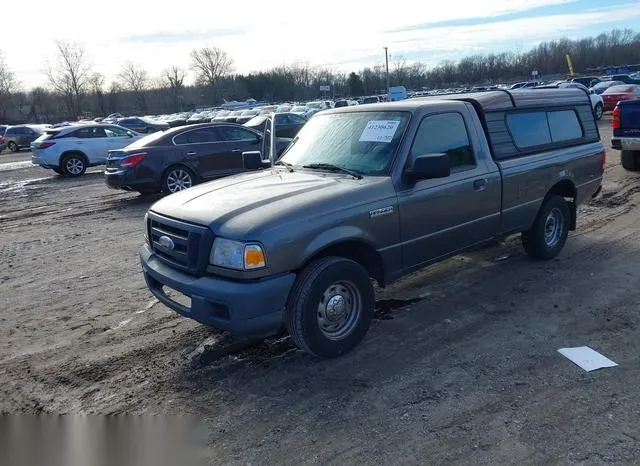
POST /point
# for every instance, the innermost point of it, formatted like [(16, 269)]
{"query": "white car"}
[(70, 150)]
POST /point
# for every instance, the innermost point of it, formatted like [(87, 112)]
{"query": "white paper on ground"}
[(586, 358), (379, 131)]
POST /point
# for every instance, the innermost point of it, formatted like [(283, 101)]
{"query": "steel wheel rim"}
[(339, 310), (74, 166), (177, 180), (553, 227)]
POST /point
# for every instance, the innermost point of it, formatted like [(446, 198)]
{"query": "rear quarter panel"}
[(528, 179)]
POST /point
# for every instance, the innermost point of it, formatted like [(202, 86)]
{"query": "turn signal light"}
[(132, 160), (44, 145), (615, 120), (603, 159), (253, 257)]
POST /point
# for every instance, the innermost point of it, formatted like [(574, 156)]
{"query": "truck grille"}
[(179, 244)]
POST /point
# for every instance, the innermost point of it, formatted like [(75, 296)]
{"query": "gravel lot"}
[(460, 365)]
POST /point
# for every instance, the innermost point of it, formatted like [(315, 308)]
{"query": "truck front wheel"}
[(330, 307), (630, 160), (549, 232)]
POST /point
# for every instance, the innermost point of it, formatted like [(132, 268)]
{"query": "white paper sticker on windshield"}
[(380, 131)]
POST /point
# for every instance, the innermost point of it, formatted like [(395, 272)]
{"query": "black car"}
[(142, 125), (20, 137), (178, 158), (287, 124)]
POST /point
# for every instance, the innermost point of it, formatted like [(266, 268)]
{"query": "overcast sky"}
[(338, 34)]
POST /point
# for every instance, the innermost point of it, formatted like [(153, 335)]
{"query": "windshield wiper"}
[(286, 164), (335, 168)]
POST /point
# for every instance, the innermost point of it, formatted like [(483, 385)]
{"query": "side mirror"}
[(430, 166), (130, 134), (252, 160)]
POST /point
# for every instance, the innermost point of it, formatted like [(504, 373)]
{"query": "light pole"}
[(386, 57)]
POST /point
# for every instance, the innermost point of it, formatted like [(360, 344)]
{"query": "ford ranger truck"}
[(626, 133), (369, 194)]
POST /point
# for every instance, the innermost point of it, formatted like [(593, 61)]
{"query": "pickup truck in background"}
[(626, 133), (372, 193)]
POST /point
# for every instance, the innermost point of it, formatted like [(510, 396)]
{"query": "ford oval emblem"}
[(166, 242)]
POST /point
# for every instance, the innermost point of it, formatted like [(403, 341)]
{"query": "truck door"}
[(441, 216)]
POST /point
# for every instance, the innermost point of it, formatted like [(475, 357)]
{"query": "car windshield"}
[(364, 142), (619, 89)]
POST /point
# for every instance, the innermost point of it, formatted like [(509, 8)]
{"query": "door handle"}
[(192, 153), (236, 151), (480, 185)]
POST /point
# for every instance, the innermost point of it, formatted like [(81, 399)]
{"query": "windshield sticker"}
[(380, 131)]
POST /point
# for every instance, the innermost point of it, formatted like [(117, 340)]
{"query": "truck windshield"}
[(364, 142)]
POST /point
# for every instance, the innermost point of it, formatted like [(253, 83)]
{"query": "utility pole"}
[(386, 57)]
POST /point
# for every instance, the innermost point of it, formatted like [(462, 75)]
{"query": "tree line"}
[(75, 90)]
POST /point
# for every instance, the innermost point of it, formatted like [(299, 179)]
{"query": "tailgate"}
[(629, 119)]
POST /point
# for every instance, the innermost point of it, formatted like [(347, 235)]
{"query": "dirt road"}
[(460, 365)]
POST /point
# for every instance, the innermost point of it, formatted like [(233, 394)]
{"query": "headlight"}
[(237, 255), (146, 227)]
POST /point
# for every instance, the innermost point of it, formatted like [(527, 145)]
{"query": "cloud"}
[(182, 36)]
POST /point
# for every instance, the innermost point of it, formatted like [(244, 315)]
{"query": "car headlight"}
[(237, 255)]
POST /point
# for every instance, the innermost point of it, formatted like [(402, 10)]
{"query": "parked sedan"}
[(178, 158), (143, 125), (70, 150), (287, 124), (615, 94)]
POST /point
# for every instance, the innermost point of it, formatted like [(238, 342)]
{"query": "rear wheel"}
[(177, 179), (330, 307), (13, 147), (598, 111), (547, 236), (630, 160), (74, 165)]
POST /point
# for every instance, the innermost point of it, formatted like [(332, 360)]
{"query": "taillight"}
[(603, 159), (615, 118), (44, 145), (132, 160)]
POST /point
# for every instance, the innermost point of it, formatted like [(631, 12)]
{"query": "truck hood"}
[(243, 206)]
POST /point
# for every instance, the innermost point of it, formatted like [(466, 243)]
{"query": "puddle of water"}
[(7, 166), (385, 307)]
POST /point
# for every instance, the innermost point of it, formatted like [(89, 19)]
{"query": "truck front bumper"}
[(244, 308), (623, 143)]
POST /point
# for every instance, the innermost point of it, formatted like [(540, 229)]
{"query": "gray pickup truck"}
[(372, 193)]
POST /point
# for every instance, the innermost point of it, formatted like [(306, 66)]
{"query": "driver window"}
[(445, 133)]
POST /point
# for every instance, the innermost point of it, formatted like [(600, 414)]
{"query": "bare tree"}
[(8, 87), (211, 64), (96, 83), (173, 80), (70, 77), (135, 79)]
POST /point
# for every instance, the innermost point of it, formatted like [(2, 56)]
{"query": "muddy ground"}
[(460, 365)]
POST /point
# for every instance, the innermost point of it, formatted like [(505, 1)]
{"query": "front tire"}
[(598, 111), (13, 147), (630, 160), (330, 307), (74, 165), (547, 236), (177, 178)]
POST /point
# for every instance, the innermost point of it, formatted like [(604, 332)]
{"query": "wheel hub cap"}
[(339, 310), (553, 228), (74, 166), (178, 180)]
